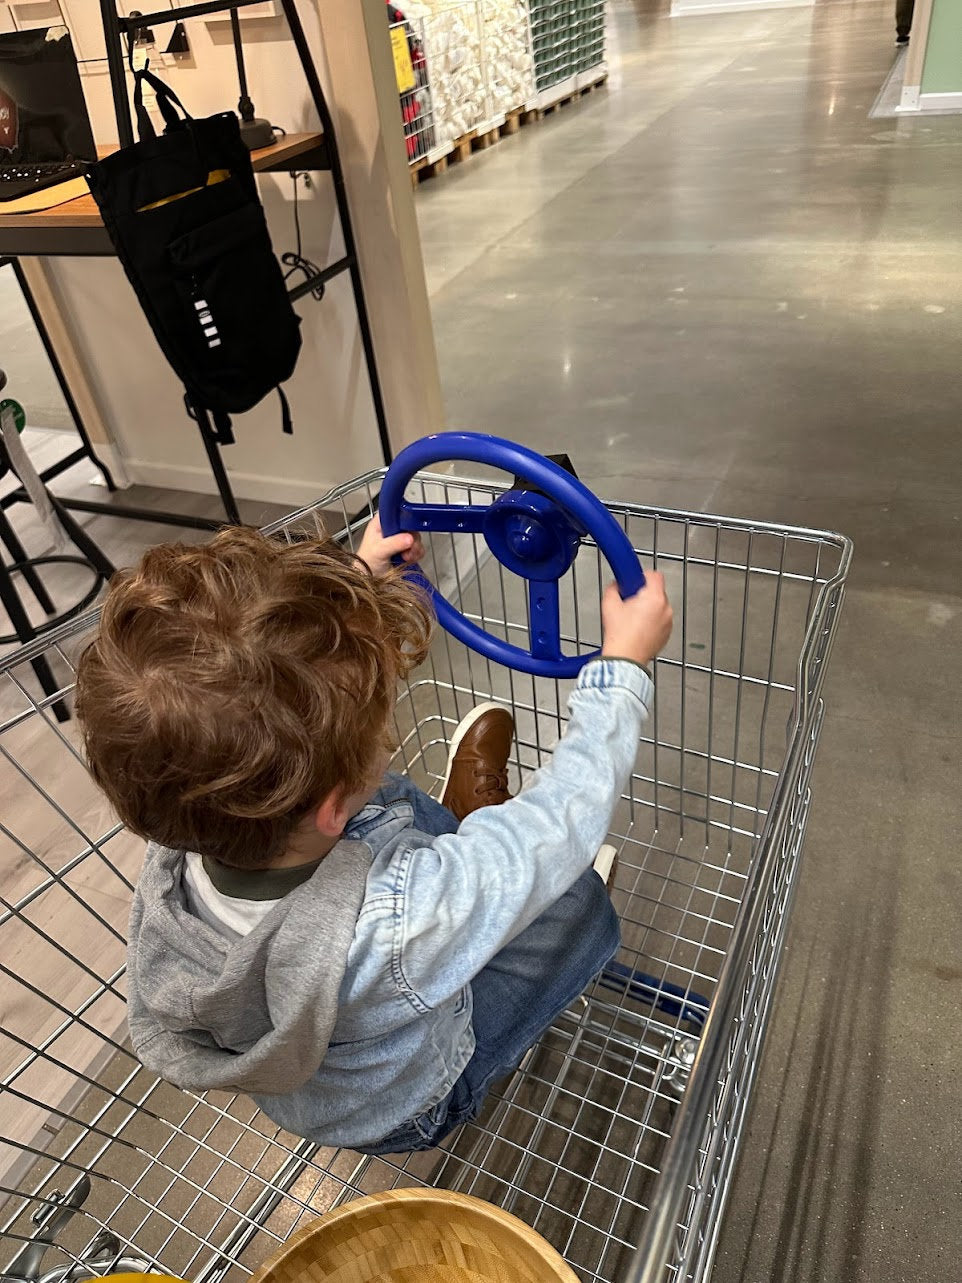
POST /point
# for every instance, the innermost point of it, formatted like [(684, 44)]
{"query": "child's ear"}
[(332, 814)]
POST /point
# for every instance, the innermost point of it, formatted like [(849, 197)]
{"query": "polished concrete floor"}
[(719, 285)]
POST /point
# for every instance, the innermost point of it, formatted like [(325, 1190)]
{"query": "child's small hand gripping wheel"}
[(534, 533)]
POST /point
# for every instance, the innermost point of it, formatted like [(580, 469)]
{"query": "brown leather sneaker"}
[(477, 772)]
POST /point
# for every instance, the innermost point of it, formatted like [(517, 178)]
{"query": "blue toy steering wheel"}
[(534, 533)]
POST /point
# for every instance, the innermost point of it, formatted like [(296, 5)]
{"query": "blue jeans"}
[(429, 816), (522, 990)]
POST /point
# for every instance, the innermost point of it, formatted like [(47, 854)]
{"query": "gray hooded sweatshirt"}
[(255, 1013)]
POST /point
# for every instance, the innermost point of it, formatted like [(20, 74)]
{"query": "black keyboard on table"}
[(19, 179)]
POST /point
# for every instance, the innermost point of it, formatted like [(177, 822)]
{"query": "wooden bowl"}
[(416, 1236), (140, 1278)]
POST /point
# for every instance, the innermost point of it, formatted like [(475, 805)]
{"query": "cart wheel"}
[(534, 533)]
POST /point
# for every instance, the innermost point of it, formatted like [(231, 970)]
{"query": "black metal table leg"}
[(100, 562), (18, 554), (26, 632), (209, 438)]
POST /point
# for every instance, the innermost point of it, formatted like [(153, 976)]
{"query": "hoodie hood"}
[(216, 1011)]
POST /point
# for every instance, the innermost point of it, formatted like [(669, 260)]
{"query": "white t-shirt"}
[(215, 908)]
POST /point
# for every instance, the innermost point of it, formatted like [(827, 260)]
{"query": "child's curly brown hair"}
[(233, 686)]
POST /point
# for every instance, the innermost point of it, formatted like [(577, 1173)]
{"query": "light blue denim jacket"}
[(435, 910)]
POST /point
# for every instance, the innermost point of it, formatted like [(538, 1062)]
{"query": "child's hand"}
[(377, 549), (638, 627)]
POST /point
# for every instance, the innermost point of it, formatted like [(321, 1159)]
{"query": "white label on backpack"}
[(207, 324)]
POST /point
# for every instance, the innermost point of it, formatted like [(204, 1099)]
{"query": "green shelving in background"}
[(568, 37)]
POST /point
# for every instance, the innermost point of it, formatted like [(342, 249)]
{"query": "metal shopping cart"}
[(617, 1137)]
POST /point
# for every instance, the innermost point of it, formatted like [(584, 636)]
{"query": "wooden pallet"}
[(461, 149), (482, 139), (512, 122), (539, 113)]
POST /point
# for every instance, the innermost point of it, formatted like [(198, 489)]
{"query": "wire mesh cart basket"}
[(616, 1138)]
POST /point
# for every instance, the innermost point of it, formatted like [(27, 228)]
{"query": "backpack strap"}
[(287, 423), (167, 101), (223, 427)]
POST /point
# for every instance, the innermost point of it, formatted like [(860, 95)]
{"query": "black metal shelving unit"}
[(322, 156)]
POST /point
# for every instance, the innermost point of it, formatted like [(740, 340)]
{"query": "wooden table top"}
[(77, 223)]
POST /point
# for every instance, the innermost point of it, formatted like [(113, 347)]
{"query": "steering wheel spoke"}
[(545, 618), (443, 518)]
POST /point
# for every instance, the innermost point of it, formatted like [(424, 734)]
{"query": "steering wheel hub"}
[(530, 535)]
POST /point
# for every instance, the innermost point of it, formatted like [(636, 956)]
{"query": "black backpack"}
[(184, 216)]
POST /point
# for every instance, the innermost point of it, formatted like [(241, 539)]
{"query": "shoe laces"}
[(491, 782)]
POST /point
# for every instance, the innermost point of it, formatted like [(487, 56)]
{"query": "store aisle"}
[(720, 285)]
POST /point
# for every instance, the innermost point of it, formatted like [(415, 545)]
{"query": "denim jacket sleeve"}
[(469, 893)]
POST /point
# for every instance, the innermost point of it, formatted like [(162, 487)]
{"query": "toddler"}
[(361, 960)]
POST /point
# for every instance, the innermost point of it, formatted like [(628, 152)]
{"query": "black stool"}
[(26, 567)]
